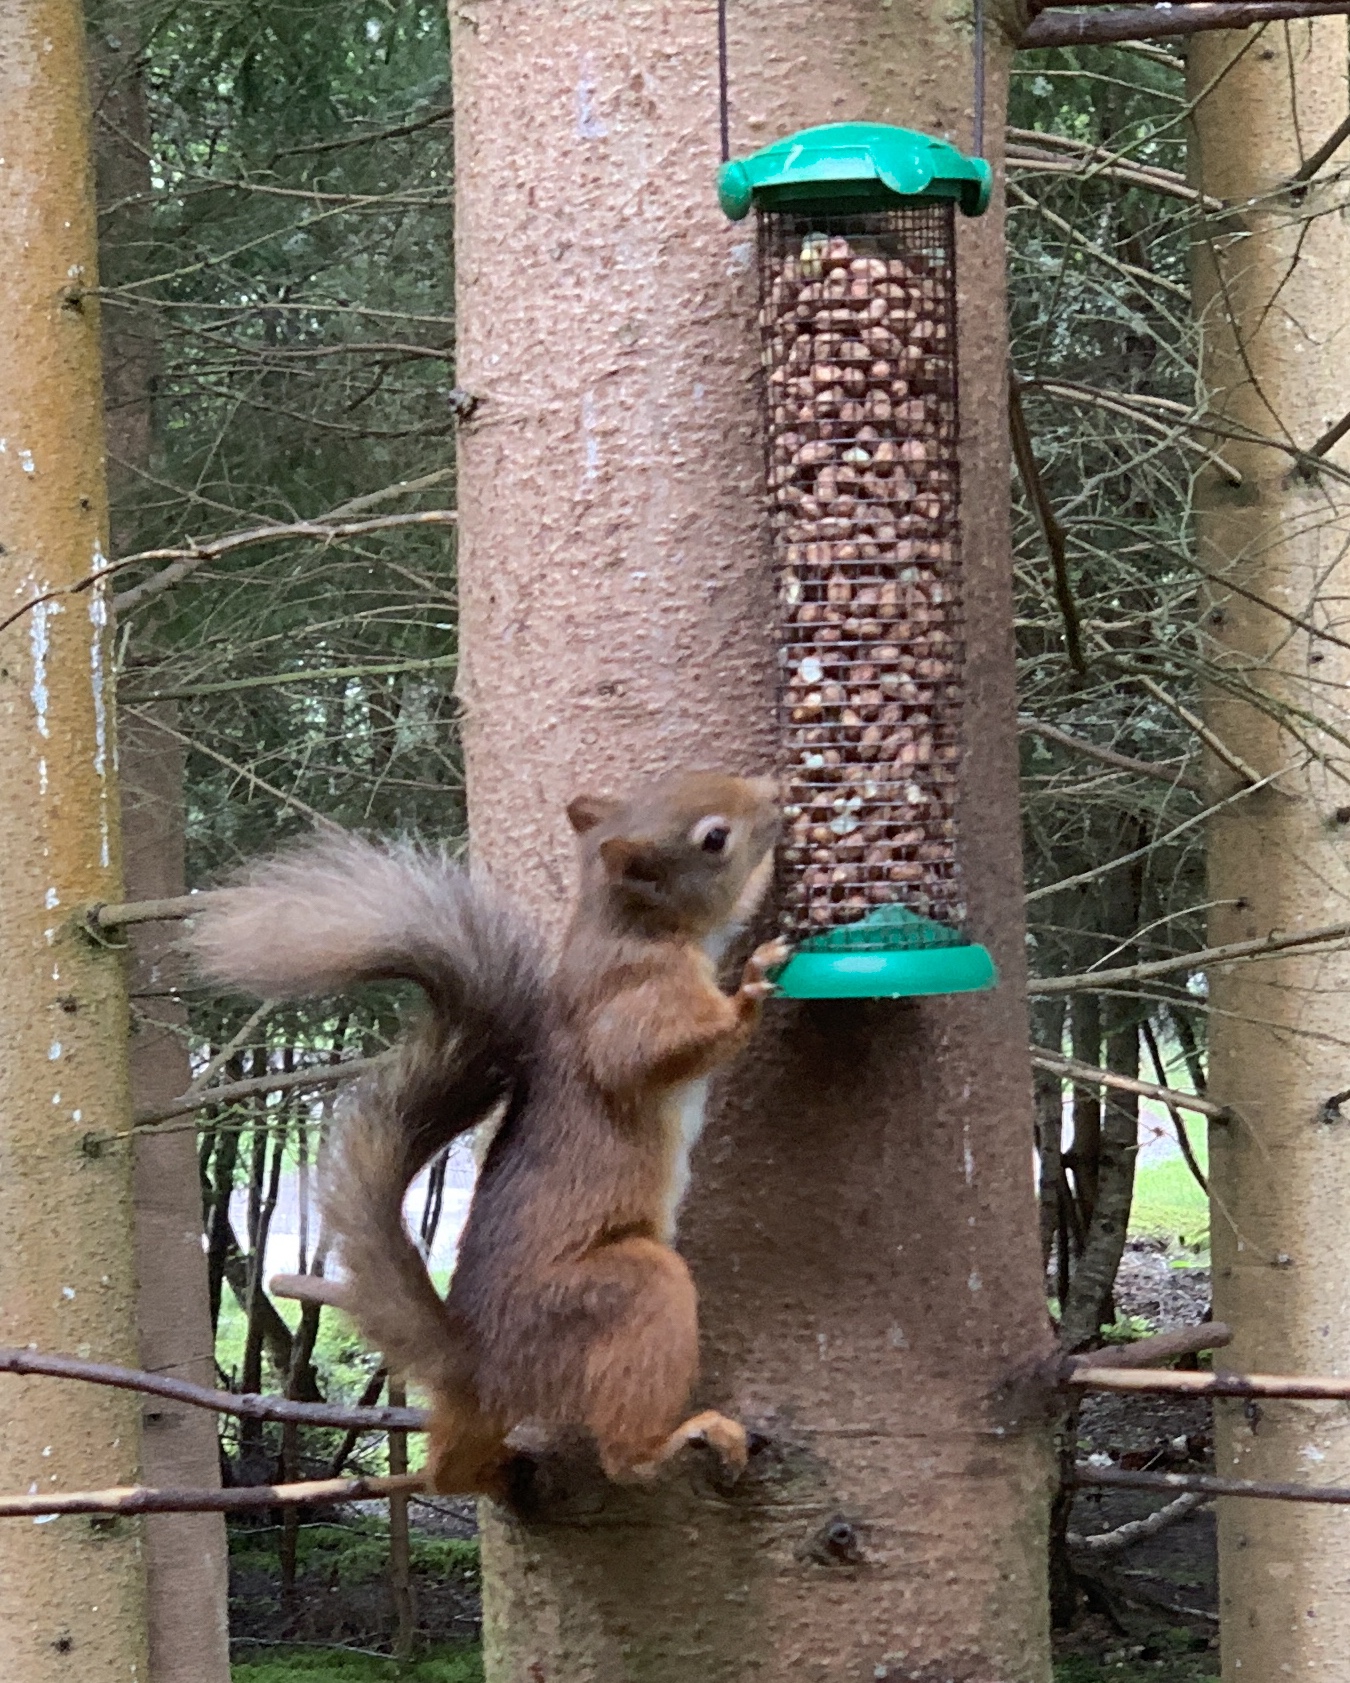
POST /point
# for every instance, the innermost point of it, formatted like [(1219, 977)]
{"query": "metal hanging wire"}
[(723, 90)]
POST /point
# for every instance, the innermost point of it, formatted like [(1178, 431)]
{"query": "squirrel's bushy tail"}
[(337, 910)]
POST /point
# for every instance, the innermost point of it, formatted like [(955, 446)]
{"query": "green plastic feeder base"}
[(891, 954)]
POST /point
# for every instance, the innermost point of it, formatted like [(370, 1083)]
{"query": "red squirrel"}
[(568, 1307)]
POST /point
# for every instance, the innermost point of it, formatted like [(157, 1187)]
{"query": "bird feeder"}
[(858, 320)]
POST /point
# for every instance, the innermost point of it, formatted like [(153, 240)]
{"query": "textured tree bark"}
[(863, 1223), (185, 1554), (72, 1593), (1270, 281)]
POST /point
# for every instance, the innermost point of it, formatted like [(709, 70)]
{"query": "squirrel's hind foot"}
[(724, 1436)]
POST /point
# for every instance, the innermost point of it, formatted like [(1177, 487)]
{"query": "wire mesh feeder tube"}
[(858, 320)]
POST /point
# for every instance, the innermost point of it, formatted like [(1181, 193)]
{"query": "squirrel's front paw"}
[(754, 978)]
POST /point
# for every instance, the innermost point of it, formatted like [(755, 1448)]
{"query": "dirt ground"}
[(1155, 1607)]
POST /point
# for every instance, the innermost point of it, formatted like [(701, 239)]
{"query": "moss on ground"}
[(460, 1664)]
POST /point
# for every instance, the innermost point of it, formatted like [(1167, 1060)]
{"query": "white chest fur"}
[(688, 1107), (685, 1122)]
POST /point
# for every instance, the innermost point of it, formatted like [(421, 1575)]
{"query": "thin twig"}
[(443, 114), (1138, 1530), (1027, 158), (231, 1092), (1204, 1484), (1329, 147), (141, 1499), (243, 1407), (1109, 757), (1130, 271), (1261, 946), (227, 1051), (388, 493), (1198, 1175), (1331, 437), (1146, 23), (188, 557), (1088, 1075), (1157, 843), (1131, 407), (305, 675), (1055, 542), (1034, 143), (1216, 746), (320, 819)]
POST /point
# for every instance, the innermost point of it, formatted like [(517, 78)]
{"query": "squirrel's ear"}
[(586, 811)]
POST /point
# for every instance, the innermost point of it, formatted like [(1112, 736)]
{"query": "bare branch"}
[(1032, 145), (1147, 23), (1161, 773), (1088, 1075), (306, 675), (1312, 1387), (191, 556), (231, 1092), (1198, 1175), (116, 916), (1130, 406), (1028, 159), (1129, 271), (412, 126), (1139, 1530), (1122, 859), (404, 488), (239, 1038), (1029, 469), (1332, 436), (251, 777), (1162, 1347), (139, 1499), (1324, 153), (1261, 946), (218, 1402), (1204, 1484)]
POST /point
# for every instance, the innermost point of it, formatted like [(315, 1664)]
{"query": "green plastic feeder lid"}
[(842, 167), (892, 953)]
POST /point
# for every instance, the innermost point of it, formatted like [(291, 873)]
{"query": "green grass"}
[(462, 1663), (1168, 1201), (339, 1355), (341, 1359), (1122, 1666)]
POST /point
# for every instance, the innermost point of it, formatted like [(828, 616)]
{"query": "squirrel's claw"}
[(754, 982)]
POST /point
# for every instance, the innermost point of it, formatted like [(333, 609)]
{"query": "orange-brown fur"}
[(568, 1307)]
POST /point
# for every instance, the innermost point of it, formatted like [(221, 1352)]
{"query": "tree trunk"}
[(72, 1593), (863, 1223), (1270, 282), (185, 1554)]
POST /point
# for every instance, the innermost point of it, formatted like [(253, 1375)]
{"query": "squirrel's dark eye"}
[(711, 834)]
